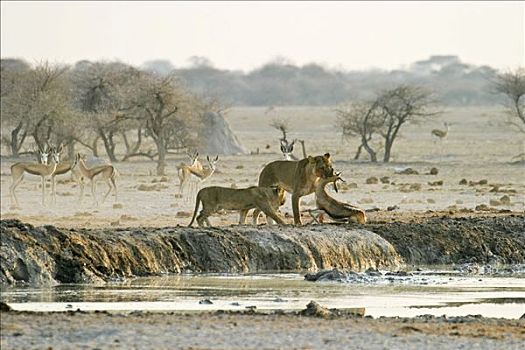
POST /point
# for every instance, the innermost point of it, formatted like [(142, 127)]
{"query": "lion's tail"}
[(197, 202)]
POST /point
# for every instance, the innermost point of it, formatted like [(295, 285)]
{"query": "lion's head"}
[(280, 193), (322, 165)]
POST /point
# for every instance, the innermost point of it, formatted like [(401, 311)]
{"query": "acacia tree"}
[(12, 72), (361, 119), (384, 116), (37, 102), (166, 109), (512, 85), (399, 106), (102, 91)]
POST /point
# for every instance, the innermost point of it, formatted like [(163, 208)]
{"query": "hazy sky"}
[(245, 35)]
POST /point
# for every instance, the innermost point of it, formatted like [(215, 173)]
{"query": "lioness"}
[(296, 177), (214, 198)]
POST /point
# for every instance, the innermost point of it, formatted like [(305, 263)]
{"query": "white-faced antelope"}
[(43, 170), (287, 149)]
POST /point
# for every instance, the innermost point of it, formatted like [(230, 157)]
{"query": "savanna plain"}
[(479, 173)]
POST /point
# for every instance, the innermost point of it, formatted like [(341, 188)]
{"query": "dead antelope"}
[(40, 169), (338, 211), (107, 172)]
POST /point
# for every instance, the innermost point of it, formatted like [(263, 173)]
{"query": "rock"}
[(279, 300), (385, 180), (408, 171), (183, 214), (205, 302), (463, 182), (398, 274), (495, 188), (239, 167), (393, 207), (326, 275), (431, 201), (495, 202), (372, 180), (315, 310), (4, 307), (118, 206), (505, 200), (154, 187), (373, 272), (434, 171), (482, 207), (436, 183)]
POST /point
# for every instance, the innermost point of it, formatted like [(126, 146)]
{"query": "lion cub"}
[(215, 198), (338, 211)]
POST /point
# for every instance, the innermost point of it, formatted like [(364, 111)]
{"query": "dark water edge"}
[(49, 255)]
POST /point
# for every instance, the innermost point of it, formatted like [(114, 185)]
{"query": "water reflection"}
[(441, 293)]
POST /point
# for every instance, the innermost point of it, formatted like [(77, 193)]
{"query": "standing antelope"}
[(40, 169), (442, 134), (184, 171), (107, 171), (287, 149)]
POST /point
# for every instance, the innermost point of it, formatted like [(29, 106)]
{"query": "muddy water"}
[(442, 292)]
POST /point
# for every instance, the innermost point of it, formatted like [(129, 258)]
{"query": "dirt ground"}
[(479, 147), (253, 331)]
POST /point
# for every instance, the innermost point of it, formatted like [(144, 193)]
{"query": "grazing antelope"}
[(40, 169), (184, 171), (107, 171), (338, 211)]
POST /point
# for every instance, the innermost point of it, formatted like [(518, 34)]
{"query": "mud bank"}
[(446, 240), (44, 255)]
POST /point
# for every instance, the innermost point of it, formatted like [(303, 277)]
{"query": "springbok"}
[(184, 171), (200, 174), (287, 149), (34, 168), (338, 211), (106, 171)]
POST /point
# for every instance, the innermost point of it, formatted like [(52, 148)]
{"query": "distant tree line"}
[(281, 83), (99, 104)]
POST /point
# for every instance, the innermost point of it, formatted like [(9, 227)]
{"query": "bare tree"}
[(166, 109), (363, 120), (12, 72), (512, 85), (35, 103), (102, 91), (401, 105), (384, 116)]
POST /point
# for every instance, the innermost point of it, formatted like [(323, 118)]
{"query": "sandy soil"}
[(477, 148), (252, 331)]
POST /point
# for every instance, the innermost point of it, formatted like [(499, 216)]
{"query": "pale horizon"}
[(246, 35)]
